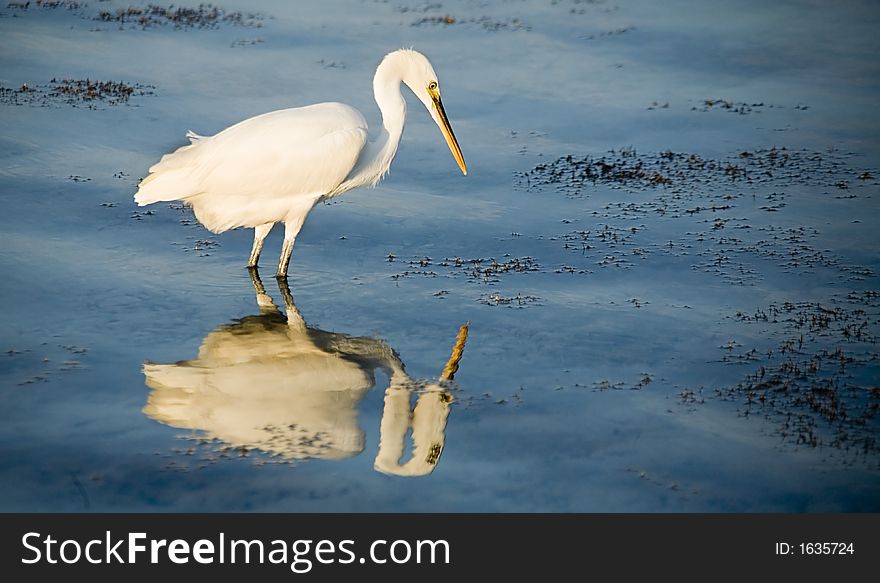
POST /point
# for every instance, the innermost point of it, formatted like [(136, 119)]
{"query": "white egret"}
[(277, 166)]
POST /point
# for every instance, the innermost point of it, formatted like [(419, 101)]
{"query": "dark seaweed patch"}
[(609, 33), (680, 172), (152, 15), (727, 205), (46, 362), (485, 22), (203, 16), (483, 270), (74, 92), (607, 245), (46, 4), (516, 301), (644, 380), (815, 382), (739, 107)]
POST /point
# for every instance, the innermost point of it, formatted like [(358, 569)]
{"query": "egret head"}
[(418, 74)]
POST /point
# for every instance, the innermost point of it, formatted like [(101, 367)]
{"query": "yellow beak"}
[(446, 129)]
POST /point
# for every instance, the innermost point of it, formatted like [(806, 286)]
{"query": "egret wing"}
[(306, 151), (302, 151)]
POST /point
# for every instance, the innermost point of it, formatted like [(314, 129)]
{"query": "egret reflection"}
[(271, 383)]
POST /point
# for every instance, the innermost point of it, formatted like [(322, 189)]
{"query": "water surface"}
[(665, 247)]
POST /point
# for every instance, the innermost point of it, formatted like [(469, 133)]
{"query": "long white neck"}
[(375, 160)]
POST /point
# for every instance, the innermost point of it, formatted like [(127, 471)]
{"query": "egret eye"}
[(432, 86)]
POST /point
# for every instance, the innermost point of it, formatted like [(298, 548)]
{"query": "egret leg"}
[(284, 262), (260, 233), (294, 318), (264, 300), (291, 230)]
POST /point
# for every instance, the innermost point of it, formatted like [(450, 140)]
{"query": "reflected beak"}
[(446, 129)]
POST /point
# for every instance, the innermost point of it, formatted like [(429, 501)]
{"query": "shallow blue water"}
[(619, 357)]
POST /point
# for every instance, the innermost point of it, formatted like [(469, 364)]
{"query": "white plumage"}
[(275, 167), (208, 173)]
